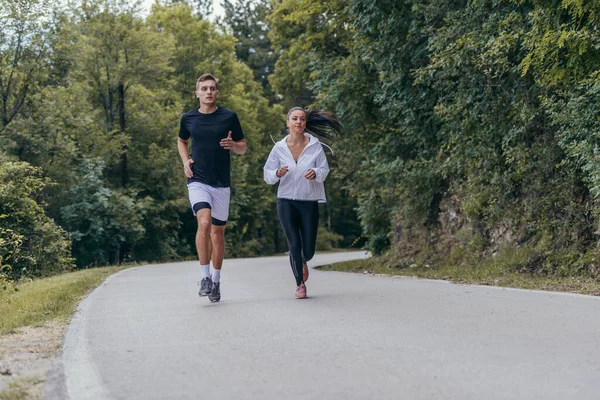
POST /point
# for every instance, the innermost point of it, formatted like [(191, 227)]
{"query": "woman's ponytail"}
[(321, 123), (324, 124)]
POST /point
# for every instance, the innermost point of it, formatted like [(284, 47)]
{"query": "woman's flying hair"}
[(321, 123)]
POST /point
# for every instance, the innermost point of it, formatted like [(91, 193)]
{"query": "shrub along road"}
[(145, 334)]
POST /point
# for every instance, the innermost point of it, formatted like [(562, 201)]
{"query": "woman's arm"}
[(271, 166), (321, 166)]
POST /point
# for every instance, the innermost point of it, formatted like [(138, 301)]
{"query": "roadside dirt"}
[(26, 358)]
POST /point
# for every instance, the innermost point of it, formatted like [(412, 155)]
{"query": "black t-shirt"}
[(211, 161)]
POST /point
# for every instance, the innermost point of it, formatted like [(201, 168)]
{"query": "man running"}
[(214, 132)]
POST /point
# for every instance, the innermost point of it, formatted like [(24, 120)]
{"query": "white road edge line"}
[(83, 382)]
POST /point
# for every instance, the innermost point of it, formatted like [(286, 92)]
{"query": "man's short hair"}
[(206, 77)]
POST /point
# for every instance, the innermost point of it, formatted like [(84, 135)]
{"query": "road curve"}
[(145, 334)]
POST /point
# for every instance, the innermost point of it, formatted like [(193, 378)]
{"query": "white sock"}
[(205, 269), (216, 275)]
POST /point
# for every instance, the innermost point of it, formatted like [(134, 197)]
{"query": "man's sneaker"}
[(301, 291), (206, 285), (305, 272), (215, 293)]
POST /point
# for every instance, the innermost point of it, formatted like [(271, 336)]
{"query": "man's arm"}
[(182, 147), (238, 147)]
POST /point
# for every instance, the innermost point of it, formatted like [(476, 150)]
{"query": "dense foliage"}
[(30, 242), (474, 123)]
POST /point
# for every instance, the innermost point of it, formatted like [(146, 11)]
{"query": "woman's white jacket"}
[(293, 185)]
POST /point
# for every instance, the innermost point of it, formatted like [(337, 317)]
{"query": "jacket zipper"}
[(296, 162)]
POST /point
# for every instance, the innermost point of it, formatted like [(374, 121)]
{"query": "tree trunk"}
[(328, 213), (122, 126)]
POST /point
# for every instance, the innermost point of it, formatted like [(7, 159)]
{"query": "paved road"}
[(145, 334)]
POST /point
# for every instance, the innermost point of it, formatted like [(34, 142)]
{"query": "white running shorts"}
[(217, 198)]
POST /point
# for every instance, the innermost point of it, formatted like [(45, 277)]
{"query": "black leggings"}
[(300, 221)]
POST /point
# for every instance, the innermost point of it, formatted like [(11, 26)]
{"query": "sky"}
[(217, 9)]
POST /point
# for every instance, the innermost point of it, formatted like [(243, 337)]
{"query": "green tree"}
[(102, 222), (115, 53), (204, 8), (31, 244), (247, 20), (124, 74), (24, 40)]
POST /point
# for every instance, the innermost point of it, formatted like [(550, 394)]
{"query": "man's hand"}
[(310, 174), (228, 142), (187, 168)]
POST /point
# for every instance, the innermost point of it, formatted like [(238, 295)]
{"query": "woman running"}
[(299, 164)]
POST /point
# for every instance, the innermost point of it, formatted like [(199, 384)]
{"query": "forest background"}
[(471, 128)]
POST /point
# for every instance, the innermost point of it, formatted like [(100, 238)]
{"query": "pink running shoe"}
[(301, 291), (305, 272)]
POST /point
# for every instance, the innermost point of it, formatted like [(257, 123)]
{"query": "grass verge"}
[(17, 390), (42, 300), (491, 272)]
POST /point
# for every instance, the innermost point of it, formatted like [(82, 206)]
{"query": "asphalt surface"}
[(145, 334)]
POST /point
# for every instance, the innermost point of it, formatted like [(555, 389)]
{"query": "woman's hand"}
[(282, 171), (310, 174)]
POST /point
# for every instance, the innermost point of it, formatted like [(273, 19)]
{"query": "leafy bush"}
[(31, 244), (10, 244), (327, 240), (101, 221)]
